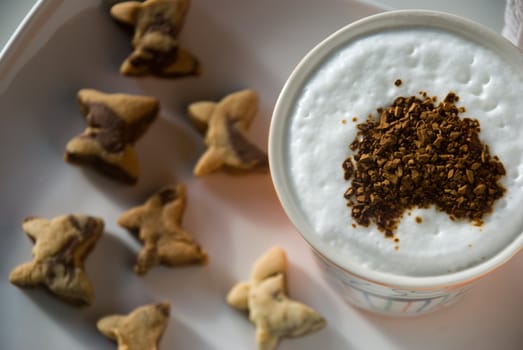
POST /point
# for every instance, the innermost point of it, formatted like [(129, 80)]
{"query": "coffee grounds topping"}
[(419, 154)]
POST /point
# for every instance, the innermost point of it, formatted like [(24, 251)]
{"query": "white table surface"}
[(487, 12)]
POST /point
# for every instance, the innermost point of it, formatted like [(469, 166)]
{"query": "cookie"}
[(60, 247), (157, 224), (265, 298), (157, 50), (142, 329), (225, 125), (114, 123)]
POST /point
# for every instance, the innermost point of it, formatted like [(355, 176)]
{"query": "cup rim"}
[(285, 104)]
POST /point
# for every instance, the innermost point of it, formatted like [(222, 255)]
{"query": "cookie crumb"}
[(398, 82), (419, 220)]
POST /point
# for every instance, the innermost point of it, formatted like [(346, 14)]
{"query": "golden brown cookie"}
[(157, 224), (142, 329), (225, 125), (157, 51), (61, 245), (114, 123), (265, 298)]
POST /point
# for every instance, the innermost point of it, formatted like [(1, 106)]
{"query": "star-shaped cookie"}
[(61, 245), (114, 123), (265, 298), (142, 329), (157, 224), (225, 125), (157, 51)]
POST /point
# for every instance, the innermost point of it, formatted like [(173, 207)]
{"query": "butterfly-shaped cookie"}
[(114, 123), (60, 247), (225, 126), (157, 50), (141, 329), (157, 224), (265, 298)]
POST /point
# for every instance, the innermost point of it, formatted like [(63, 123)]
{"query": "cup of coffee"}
[(395, 151)]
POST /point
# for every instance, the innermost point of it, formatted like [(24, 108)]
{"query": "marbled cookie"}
[(114, 123), (142, 329), (157, 50), (225, 125), (265, 298), (61, 245), (157, 224)]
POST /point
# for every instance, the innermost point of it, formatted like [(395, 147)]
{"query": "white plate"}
[(68, 45)]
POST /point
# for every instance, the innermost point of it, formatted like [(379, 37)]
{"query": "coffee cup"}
[(336, 86)]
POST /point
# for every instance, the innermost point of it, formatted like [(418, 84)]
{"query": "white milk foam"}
[(359, 78)]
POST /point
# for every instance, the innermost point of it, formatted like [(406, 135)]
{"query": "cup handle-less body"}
[(384, 299)]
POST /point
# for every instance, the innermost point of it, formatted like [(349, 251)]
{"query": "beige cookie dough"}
[(60, 247), (114, 123), (157, 50), (157, 224), (142, 329), (225, 126), (265, 299)]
